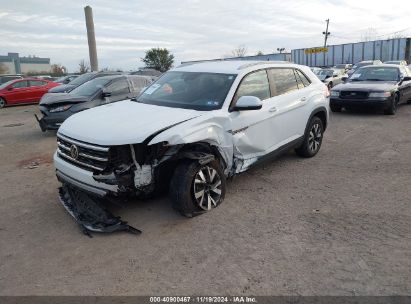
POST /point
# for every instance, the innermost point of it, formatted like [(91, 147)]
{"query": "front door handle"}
[(303, 99), (273, 109)]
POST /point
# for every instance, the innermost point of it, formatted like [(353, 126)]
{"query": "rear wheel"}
[(393, 106), (197, 188), (312, 139), (2, 103)]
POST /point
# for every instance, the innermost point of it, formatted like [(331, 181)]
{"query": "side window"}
[(119, 87), (37, 83), (254, 84), (20, 84), (302, 78), (284, 81)]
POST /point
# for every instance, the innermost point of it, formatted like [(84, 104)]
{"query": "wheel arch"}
[(320, 112)]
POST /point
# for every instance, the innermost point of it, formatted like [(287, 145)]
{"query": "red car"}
[(26, 90)]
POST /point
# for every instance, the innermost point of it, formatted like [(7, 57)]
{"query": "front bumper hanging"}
[(89, 214)]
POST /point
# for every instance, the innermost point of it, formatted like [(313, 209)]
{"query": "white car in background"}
[(196, 126), (331, 77)]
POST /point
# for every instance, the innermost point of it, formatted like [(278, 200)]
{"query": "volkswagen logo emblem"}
[(74, 152)]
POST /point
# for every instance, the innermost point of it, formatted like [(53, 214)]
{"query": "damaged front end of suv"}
[(91, 174)]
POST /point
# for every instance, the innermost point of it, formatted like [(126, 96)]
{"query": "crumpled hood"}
[(366, 86), (62, 88), (54, 98), (124, 122)]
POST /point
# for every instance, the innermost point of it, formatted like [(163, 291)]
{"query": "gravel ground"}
[(336, 224)]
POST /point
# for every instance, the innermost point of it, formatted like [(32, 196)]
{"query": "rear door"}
[(18, 92), (37, 89), (291, 93), (405, 87)]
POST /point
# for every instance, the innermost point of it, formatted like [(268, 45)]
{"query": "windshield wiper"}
[(356, 79), (374, 79)]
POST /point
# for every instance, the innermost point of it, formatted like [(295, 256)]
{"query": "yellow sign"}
[(316, 50)]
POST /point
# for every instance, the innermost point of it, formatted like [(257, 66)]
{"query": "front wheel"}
[(2, 103), (312, 139), (393, 106), (197, 188)]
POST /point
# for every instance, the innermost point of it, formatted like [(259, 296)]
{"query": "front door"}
[(252, 129), (17, 92)]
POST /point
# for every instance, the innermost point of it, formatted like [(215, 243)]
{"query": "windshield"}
[(376, 74), (82, 79), (90, 88), (4, 85), (189, 90), (327, 73)]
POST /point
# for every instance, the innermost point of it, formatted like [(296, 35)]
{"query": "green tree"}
[(159, 59)]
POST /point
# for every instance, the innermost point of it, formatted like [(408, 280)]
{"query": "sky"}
[(191, 30)]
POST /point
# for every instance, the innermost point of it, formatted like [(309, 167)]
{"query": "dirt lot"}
[(337, 224)]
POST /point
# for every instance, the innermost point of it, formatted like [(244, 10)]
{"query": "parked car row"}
[(57, 107)]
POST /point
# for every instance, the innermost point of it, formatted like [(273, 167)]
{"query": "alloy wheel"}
[(315, 137), (207, 188), (2, 103)]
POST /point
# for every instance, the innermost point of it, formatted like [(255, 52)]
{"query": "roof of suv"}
[(229, 66)]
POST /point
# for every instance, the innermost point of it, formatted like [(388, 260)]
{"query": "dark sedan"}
[(57, 107), (65, 88), (382, 86)]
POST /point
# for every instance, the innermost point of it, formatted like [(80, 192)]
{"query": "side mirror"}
[(106, 94), (344, 78), (406, 78), (246, 103), (335, 75), (10, 89)]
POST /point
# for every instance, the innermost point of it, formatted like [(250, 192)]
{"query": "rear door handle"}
[(303, 99), (273, 109)]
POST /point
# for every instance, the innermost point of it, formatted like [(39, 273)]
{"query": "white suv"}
[(190, 130)]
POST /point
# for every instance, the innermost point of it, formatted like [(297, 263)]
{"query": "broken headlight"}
[(60, 109)]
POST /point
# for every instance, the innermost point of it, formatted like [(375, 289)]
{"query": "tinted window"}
[(255, 84), (138, 83), (189, 90), (20, 84), (284, 81), (90, 88), (37, 83), (119, 87), (302, 78), (82, 79)]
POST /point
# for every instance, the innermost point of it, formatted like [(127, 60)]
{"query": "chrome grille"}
[(87, 156), (354, 94)]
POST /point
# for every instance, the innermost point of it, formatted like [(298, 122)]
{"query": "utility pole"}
[(326, 33), (92, 48)]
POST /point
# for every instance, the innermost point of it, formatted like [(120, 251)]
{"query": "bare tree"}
[(83, 67), (259, 53), (240, 51), (58, 70), (3, 68), (369, 34)]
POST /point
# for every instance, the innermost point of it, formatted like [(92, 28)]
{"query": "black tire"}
[(183, 185), (2, 103), (313, 138), (330, 85), (335, 108), (393, 106)]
